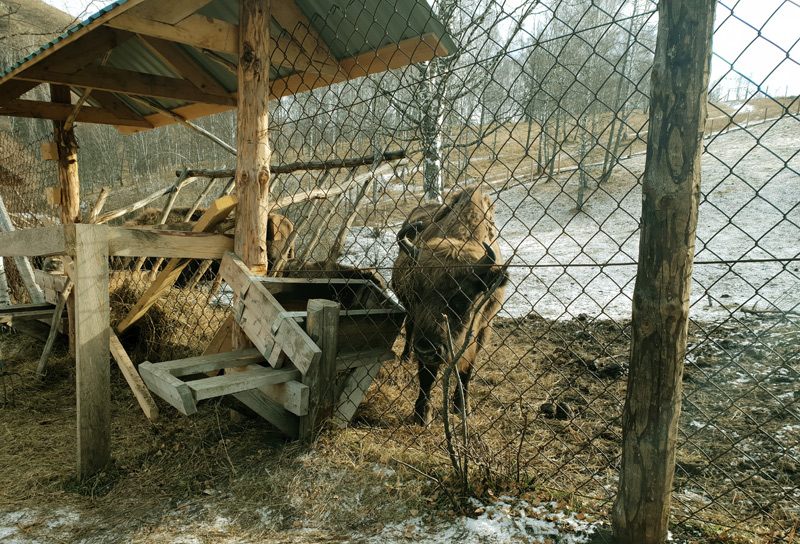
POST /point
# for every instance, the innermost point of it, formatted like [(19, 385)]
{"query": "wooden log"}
[(252, 144), (211, 218), (70, 208), (133, 378), (56, 318), (98, 205), (93, 387), (108, 216), (322, 327), (308, 165), (670, 200), (16, 244)]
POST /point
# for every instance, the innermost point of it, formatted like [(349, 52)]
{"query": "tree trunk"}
[(252, 140), (431, 136), (670, 197)]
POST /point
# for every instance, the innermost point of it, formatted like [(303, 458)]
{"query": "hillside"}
[(26, 25)]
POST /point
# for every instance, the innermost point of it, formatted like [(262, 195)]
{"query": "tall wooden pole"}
[(92, 368), (68, 182), (670, 198), (252, 136)]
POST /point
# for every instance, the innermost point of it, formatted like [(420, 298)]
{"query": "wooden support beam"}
[(218, 211), (182, 64), (139, 389), (322, 326), (144, 242), (670, 202), (170, 12), (36, 242), (353, 391), (291, 18), (129, 82), (93, 387), (195, 30), (68, 182), (270, 410), (252, 143), (98, 205), (60, 112)]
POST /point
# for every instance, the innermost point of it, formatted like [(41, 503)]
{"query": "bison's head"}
[(448, 277)]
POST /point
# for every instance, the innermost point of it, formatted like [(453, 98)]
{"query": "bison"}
[(449, 258)]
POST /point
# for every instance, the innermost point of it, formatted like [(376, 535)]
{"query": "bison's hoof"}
[(423, 417)]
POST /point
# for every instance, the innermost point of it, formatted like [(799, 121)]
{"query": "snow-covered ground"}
[(750, 210), (504, 520)]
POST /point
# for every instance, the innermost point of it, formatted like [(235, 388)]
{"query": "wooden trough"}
[(319, 343)]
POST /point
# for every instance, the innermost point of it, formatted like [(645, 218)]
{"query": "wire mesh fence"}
[(545, 107)]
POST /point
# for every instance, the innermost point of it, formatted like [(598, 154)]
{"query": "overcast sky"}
[(759, 38)]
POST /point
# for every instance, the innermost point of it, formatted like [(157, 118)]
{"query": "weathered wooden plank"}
[(292, 395), (27, 311), (168, 387), (46, 280), (135, 382), (253, 377), (270, 410), (219, 361), (93, 382), (352, 360), (353, 391), (322, 324), (263, 318), (221, 343), (38, 242), (143, 242), (218, 211)]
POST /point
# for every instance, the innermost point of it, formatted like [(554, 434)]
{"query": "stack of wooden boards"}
[(319, 343)]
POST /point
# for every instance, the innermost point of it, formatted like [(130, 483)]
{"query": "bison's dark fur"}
[(449, 258)]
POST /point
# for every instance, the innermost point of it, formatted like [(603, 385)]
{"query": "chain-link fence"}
[(545, 105)]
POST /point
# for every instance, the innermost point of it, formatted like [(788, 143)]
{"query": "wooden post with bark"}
[(670, 198), (68, 182), (252, 141)]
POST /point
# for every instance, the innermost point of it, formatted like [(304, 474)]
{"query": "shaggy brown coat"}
[(446, 272)]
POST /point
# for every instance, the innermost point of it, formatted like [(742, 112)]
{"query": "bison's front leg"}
[(423, 411)]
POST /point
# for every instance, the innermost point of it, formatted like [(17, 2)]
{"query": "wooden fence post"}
[(323, 328), (670, 198), (92, 360)]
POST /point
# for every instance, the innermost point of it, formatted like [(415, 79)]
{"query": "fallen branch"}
[(307, 165)]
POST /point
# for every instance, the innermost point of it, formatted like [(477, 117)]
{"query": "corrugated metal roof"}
[(69, 32), (347, 28)]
